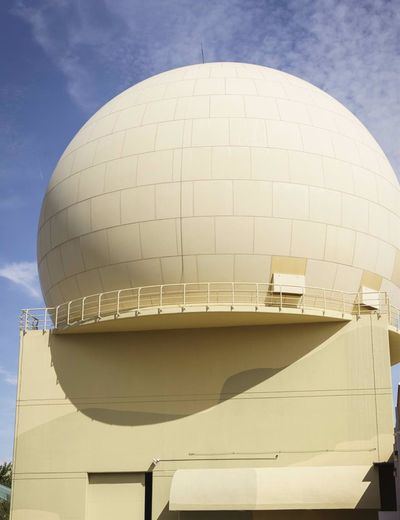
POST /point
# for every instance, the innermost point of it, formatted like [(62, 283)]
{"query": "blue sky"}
[(62, 59)]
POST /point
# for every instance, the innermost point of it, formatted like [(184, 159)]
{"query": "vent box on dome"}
[(288, 283), (369, 297)]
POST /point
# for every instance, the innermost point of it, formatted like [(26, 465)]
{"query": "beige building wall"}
[(242, 397)]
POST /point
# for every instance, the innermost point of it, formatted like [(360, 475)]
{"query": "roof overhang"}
[(298, 488)]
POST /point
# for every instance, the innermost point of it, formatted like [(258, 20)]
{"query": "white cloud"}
[(349, 49), (11, 202), (8, 377), (54, 25), (24, 274)]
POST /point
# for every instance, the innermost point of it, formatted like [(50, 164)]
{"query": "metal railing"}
[(234, 295)]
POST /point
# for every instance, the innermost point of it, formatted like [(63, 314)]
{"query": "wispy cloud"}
[(8, 377), (23, 274), (11, 202), (348, 48), (101, 45), (72, 35), (12, 141)]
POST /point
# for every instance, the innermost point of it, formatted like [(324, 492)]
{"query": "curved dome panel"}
[(220, 172)]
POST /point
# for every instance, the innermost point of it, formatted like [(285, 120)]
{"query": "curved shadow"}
[(234, 385), (128, 418), (242, 381), (140, 378)]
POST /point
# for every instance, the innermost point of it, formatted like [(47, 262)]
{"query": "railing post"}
[(99, 307), (118, 297), (83, 309), (385, 305), (280, 298), (256, 293), (184, 294), (68, 308), (56, 317), (161, 295), (233, 292), (208, 293), (138, 299)]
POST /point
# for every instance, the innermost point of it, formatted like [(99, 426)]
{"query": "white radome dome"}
[(220, 172)]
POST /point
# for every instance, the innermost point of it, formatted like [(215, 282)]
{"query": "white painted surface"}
[(313, 487), (189, 174)]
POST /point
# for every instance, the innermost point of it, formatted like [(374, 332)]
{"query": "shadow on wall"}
[(140, 378), (234, 385)]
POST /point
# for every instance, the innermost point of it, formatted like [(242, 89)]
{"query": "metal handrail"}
[(230, 294)]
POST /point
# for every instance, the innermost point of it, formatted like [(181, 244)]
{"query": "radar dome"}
[(220, 172)]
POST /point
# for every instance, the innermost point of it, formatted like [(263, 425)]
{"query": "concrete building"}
[(219, 252)]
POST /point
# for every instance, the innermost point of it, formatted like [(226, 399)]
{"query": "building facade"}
[(218, 250)]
